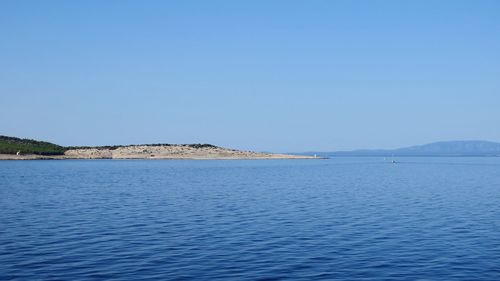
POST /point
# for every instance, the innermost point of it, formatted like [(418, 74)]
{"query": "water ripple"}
[(338, 219)]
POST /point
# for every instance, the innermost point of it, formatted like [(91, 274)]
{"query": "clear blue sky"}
[(261, 75)]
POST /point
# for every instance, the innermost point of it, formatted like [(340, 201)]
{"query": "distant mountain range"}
[(445, 148)]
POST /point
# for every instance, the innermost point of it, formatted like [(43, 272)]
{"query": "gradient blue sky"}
[(261, 75)]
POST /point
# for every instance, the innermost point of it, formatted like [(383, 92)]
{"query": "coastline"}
[(152, 152)]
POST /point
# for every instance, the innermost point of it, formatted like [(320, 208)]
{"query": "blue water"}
[(344, 219)]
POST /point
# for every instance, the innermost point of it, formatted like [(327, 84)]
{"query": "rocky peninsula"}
[(24, 149)]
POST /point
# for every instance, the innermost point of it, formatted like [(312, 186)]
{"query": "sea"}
[(346, 218)]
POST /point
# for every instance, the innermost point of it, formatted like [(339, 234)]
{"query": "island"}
[(12, 148), (462, 148)]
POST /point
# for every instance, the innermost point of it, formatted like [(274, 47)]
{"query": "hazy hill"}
[(445, 148)]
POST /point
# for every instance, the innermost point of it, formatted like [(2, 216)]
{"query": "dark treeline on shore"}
[(13, 145)]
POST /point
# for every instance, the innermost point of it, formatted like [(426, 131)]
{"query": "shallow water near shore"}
[(344, 218)]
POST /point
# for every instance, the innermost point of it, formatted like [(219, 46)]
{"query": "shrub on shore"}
[(12, 145)]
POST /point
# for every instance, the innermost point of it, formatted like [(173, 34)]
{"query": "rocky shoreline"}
[(155, 152)]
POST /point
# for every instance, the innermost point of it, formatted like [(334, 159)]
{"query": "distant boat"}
[(393, 161)]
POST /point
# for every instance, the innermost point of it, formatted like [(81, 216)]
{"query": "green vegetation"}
[(201, 145), (113, 147), (11, 145)]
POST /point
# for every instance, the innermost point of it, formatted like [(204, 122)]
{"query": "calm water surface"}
[(345, 219)]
